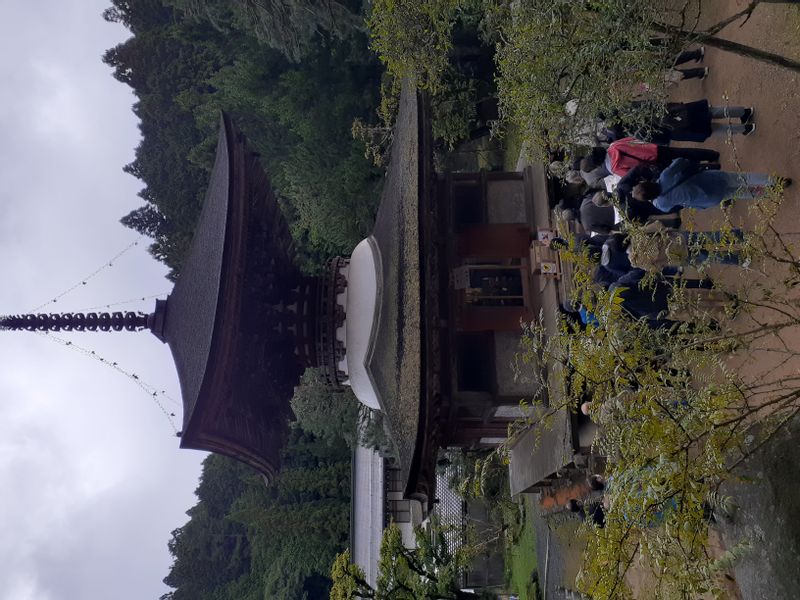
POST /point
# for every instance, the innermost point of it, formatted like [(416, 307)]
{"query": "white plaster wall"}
[(361, 312), (506, 201), (510, 381), (368, 502)]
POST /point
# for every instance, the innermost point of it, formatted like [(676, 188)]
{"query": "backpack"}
[(629, 152)]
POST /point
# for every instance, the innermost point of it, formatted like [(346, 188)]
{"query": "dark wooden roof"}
[(192, 305), (237, 366), (395, 359)]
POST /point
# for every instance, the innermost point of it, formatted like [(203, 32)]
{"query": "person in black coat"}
[(695, 121), (608, 251), (598, 215), (692, 122), (651, 304)]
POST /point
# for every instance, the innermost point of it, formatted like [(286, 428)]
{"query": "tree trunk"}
[(750, 52), (734, 47)]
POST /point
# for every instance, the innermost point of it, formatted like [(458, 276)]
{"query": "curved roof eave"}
[(204, 316)]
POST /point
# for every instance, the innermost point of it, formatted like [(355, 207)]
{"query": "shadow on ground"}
[(768, 518)]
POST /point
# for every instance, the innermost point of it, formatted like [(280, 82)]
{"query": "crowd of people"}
[(631, 186), (636, 181)]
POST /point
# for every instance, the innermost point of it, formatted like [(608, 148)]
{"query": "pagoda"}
[(422, 320), (242, 321)]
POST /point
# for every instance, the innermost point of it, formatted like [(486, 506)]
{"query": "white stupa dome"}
[(361, 314)]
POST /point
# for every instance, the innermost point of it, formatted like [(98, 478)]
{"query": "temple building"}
[(423, 319), (458, 269)]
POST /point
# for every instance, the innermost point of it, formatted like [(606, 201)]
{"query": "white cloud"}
[(23, 586), (91, 478), (57, 115)]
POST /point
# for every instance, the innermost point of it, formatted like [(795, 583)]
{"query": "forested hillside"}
[(247, 541), (294, 86)]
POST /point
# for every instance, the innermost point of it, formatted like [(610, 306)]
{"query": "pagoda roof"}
[(193, 303), (395, 359), (241, 252)]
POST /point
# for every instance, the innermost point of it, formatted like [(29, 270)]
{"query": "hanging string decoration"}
[(155, 394), (45, 324), (109, 263), (123, 302)]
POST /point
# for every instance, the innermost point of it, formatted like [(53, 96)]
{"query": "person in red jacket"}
[(627, 153)]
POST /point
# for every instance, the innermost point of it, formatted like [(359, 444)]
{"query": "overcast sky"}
[(91, 475)]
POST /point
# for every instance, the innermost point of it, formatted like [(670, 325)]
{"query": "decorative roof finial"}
[(117, 321)]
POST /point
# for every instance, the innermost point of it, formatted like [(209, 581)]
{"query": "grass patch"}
[(522, 558)]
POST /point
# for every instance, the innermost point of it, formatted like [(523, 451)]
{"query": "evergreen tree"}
[(247, 540), (188, 60)]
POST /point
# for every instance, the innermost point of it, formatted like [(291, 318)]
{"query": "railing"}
[(450, 510)]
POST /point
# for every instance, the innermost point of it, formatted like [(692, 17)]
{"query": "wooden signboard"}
[(544, 260)]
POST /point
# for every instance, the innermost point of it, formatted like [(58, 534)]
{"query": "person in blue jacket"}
[(684, 184)]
